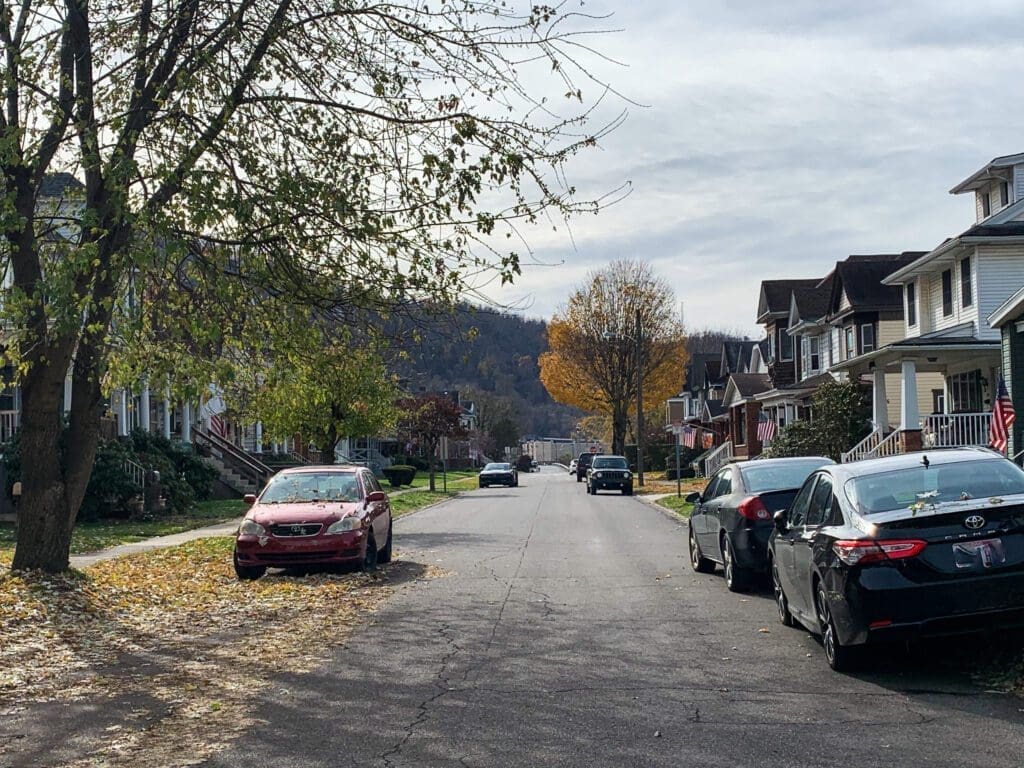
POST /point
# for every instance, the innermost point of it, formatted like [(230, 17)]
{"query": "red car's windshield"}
[(305, 487)]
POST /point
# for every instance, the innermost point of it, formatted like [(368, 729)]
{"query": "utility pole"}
[(639, 401)]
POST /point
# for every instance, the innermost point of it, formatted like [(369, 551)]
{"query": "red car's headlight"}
[(251, 528)]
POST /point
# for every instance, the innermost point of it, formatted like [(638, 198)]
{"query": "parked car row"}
[(869, 552)]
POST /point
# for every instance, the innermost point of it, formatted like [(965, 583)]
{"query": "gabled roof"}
[(1009, 310), (995, 170), (860, 279), (713, 371), (59, 185), (775, 295), (1009, 231), (744, 386), (695, 370), (736, 356)]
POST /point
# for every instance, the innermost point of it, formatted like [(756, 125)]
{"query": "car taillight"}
[(862, 551), (752, 508)]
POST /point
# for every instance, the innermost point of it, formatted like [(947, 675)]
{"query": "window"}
[(911, 304), (947, 293), (771, 348), (867, 338), (741, 425), (1004, 193), (815, 354), (821, 502), (798, 512), (966, 291), (785, 345), (810, 357), (938, 401), (851, 342), (724, 487), (965, 392), (986, 204)]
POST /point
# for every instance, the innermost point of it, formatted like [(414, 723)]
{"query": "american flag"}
[(218, 426), (765, 428), (689, 435), (1003, 416), (709, 440)]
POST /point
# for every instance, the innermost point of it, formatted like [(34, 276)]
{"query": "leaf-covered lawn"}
[(659, 485), (176, 630), (92, 536), (409, 502)]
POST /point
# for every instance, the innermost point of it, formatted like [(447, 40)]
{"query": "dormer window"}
[(1004, 193), (986, 205)]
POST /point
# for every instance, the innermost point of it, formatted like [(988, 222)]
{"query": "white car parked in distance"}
[(572, 467)]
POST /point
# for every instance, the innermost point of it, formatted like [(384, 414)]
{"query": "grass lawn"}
[(654, 483), (409, 502), (89, 537), (676, 504), (422, 479)]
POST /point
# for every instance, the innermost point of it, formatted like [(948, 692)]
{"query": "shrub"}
[(110, 487), (684, 472), (399, 474)]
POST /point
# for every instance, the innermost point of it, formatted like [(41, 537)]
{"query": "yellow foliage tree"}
[(593, 345)]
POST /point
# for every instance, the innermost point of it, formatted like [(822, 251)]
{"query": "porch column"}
[(259, 437), (167, 416), (186, 422), (122, 413), (879, 404), (144, 406), (276, 448), (910, 418), (67, 392)]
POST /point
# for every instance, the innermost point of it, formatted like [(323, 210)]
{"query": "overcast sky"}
[(781, 137)]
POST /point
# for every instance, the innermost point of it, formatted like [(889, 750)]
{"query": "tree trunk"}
[(332, 441), (620, 422), (431, 450)]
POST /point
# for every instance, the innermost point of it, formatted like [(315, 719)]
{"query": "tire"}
[(781, 602), (698, 562), (627, 491), (248, 572), (737, 579), (578, 478), (384, 556), (842, 658), (370, 556)]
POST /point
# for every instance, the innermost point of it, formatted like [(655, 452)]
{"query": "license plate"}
[(984, 553)]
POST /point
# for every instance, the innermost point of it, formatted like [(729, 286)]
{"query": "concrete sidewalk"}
[(159, 542)]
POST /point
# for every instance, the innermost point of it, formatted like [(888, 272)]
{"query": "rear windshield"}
[(498, 467), (610, 462), (761, 478), (959, 481), (304, 487)]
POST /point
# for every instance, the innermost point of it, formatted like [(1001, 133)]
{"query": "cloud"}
[(780, 138)]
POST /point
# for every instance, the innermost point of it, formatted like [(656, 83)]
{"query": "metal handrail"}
[(136, 472), (256, 469)]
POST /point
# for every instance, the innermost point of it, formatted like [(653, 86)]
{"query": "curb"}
[(673, 516)]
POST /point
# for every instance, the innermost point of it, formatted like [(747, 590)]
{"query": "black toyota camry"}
[(928, 543)]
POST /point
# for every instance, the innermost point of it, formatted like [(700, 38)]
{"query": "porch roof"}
[(796, 390), (932, 354), (1009, 310)]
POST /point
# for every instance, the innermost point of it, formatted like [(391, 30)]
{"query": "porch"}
[(959, 376)]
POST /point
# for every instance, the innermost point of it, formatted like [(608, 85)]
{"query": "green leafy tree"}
[(338, 391), (239, 163), (426, 419), (840, 414)]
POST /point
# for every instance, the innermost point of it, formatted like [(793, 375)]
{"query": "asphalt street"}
[(570, 631)]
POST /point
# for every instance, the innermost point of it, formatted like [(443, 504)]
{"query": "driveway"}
[(570, 631)]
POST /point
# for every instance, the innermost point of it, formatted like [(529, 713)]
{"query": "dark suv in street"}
[(610, 472), (582, 465)]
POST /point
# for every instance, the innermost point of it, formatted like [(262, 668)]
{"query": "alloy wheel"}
[(781, 603), (828, 634), (727, 564)]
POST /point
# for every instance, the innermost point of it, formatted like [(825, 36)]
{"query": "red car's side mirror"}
[(249, 498), (376, 496)]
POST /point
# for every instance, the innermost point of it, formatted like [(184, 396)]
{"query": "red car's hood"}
[(310, 512)]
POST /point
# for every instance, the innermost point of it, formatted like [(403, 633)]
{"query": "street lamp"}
[(638, 338)]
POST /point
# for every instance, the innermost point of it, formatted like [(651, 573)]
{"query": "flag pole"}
[(679, 482)]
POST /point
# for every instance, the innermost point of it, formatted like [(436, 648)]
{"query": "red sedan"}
[(315, 516)]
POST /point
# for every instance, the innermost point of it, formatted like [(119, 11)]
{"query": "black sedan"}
[(732, 519), (499, 473), (921, 544)]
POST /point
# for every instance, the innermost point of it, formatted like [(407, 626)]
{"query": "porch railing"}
[(718, 458), (888, 447), (865, 448), (10, 421), (952, 430), (136, 472)]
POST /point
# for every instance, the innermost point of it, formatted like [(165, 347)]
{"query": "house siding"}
[(1000, 273), (960, 313), (889, 331), (1013, 372)]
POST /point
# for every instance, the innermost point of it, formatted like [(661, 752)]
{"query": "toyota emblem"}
[(974, 522), (298, 528)]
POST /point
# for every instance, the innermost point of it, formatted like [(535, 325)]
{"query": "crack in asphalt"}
[(443, 688)]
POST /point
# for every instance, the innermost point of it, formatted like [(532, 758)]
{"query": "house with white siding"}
[(948, 294)]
